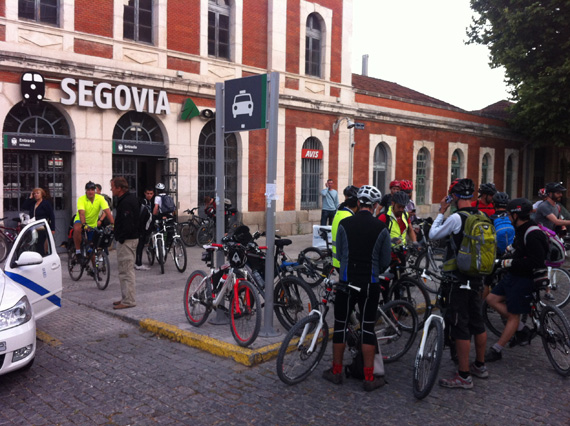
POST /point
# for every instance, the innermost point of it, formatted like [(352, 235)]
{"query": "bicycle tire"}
[(102, 270), (294, 362), (395, 343), (196, 306), (559, 288), (293, 299), (433, 265), (4, 247), (74, 267), (555, 333), (414, 292), (494, 322), (245, 313), (188, 234), (313, 261), (160, 254), (426, 367), (205, 235), (179, 254)]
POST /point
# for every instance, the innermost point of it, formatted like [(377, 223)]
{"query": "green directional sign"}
[(189, 110), (245, 104)]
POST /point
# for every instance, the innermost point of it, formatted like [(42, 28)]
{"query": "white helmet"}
[(160, 186), (368, 195)]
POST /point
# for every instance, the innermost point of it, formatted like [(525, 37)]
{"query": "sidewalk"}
[(160, 306)]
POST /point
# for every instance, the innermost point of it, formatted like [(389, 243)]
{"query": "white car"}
[(242, 104), (30, 288)]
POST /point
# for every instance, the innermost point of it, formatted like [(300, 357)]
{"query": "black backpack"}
[(167, 205), (145, 218)]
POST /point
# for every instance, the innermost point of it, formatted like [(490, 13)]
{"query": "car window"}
[(35, 239)]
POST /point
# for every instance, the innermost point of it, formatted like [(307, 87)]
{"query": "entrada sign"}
[(122, 97)]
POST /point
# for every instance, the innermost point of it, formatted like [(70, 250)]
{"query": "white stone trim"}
[(301, 135), (464, 148), (430, 146), (515, 154), (277, 36), (491, 170), (306, 8)]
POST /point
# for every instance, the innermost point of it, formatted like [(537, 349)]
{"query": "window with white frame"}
[(422, 176), (311, 174), (313, 45), (219, 28), (137, 20), (380, 166), (456, 164), (42, 11)]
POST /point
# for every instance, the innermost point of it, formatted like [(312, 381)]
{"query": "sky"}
[(420, 44)]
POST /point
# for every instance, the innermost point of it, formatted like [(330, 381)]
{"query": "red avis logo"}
[(313, 154)]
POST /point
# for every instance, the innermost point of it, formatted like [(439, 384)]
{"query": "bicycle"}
[(206, 292), (207, 232), (164, 238), (305, 344), (8, 237), (92, 252), (430, 257), (316, 260), (189, 229)]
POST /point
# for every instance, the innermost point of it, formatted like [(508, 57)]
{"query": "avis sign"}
[(312, 154)]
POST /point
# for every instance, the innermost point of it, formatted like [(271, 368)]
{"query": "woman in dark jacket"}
[(40, 207)]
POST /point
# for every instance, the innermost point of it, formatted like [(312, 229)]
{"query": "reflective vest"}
[(394, 226), (340, 215)]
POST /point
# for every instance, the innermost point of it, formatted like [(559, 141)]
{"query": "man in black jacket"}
[(127, 236), (510, 297)]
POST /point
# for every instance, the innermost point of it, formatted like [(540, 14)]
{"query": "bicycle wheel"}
[(160, 254), (555, 332), (426, 366), (296, 360), (179, 254), (493, 320), (188, 234), (559, 288), (205, 235), (293, 299), (74, 266), (102, 270), (313, 261), (432, 264), (4, 247), (245, 313), (396, 328), (412, 291), (196, 306)]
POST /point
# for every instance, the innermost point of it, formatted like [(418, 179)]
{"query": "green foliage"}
[(531, 39)]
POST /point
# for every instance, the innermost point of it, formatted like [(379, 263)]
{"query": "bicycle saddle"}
[(283, 242)]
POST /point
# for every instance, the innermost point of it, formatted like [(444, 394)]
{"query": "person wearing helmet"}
[(363, 249), (398, 221), (504, 229), (386, 201), (160, 191), (330, 203), (347, 208), (548, 213), (541, 197), (407, 186), (510, 297), (485, 201), (465, 294)]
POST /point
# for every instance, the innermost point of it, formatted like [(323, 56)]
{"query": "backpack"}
[(167, 204), (476, 255), (145, 218), (556, 252), (505, 233)]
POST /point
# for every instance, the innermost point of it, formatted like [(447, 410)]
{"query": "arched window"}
[(207, 164), (485, 168), (137, 20), (311, 170), (456, 164), (313, 42), (379, 167), (219, 28), (509, 176), (422, 165)]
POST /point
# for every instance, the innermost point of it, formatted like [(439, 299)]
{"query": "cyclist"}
[(407, 186), (503, 226), (387, 198), (541, 198), (144, 228), (510, 297), (465, 299), (485, 201), (88, 208), (548, 212), (345, 209), (363, 248), (398, 221)]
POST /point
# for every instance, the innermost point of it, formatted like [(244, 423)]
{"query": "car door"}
[(33, 263)]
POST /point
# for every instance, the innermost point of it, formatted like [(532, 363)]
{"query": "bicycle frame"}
[(431, 318)]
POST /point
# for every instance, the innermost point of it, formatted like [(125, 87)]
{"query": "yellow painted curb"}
[(46, 338), (239, 354)]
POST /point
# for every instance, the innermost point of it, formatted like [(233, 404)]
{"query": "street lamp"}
[(351, 125)]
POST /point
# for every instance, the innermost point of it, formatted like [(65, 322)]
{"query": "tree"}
[(531, 39)]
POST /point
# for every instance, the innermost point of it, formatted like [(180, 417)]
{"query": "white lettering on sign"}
[(122, 97), (312, 154)]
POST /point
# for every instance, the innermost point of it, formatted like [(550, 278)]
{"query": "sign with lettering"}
[(313, 154), (38, 143), (139, 148)]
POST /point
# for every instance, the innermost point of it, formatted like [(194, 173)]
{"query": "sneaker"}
[(457, 382), (548, 296), (142, 268), (493, 355), (370, 385), (337, 379), (480, 372), (521, 337)]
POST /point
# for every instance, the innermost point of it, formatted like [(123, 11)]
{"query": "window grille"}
[(311, 176)]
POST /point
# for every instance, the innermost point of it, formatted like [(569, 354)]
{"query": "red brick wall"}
[(183, 30), (257, 163), (91, 48), (2, 32), (335, 91), (255, 19), (3, 8), (10, 77), (292, 57), (94, 17), (292, 83), (183, 65)]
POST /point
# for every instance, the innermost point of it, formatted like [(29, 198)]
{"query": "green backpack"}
[(476, 255)]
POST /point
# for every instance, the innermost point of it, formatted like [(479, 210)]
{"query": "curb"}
[(244, 356)]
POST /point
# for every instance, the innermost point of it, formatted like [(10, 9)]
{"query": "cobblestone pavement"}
[(96, 368)]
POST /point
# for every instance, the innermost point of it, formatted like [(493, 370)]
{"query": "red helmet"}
[(450, 190), (406, 185), (542, 193), (395, 183)]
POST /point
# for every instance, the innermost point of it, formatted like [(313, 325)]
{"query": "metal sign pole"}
[(270, 195), (220, 161)]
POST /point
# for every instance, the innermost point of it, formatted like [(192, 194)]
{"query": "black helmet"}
[(521, 206), (501, 199), (463, 188), (350, 191), (487, 188), (401, 198), (90, 185), (554, 187)]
